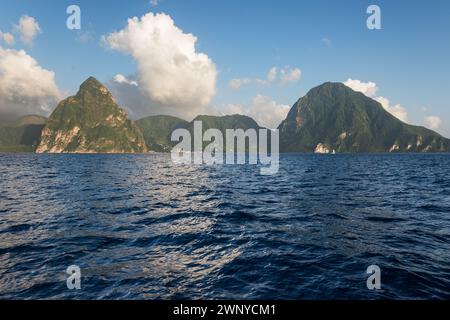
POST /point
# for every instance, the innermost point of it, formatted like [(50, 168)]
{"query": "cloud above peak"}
[(272, 74), (284, 76), (262, 109), (7, 38), (370, 89), (28, 29), (433, 122), (236, 84), (25, 87), (288, 75), (170, 70), (119, 78)]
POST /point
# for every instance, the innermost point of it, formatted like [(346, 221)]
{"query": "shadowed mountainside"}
[(23, 135), (90, 122), (334, 117), (330, 118)]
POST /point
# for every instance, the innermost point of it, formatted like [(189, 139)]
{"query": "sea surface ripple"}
[(140, 227)]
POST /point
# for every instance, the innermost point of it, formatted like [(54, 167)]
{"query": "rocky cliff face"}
[(333, 117), (90, 122), (330, 118)]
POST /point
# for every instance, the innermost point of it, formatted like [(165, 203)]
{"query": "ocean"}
[(140, 227)]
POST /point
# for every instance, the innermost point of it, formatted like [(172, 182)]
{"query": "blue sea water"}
[(140, 227)]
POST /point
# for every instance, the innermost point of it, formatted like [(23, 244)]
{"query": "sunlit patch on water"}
[(140, 227)]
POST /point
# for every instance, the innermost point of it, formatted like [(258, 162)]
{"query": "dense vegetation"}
[(23, 135), (158, 129), (343, 120), (91, 122), (331, 117)]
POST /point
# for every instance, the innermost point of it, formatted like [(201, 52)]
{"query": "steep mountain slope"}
[(23, 135), (90, 122), (334, 117), (157, 131), (222, 123)]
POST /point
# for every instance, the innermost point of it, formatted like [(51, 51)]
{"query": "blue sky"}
[(408, 58)]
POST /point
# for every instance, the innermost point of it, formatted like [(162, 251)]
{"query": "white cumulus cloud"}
[(130, 95), (433, 122), (236, 84), (170, 71), (271, 77), (119, 78), (284, 75), (7, 37), (396, 110), (266, 112), (370, 89), (272, 74), (28, 28), (288, 75), (25, 87)]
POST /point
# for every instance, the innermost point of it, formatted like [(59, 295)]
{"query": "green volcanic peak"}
[(330, 117), (333, 117), (227, 122), (222, 123), (90, 122), (157, 131), (91, 83)]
